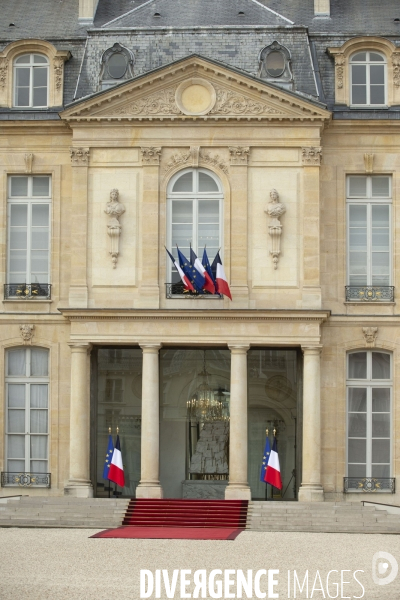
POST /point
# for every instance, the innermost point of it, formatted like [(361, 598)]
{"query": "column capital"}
[(239, 348), (150, 347), (80, 346), (312, 349)]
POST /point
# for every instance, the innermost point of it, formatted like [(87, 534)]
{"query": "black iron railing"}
[(25, 479), (371, 293), (172, 290), (369, 484), (27, 291)]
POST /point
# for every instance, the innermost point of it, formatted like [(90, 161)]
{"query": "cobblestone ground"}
[(66, 564)]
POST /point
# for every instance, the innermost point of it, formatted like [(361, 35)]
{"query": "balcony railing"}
[(369, 293), (369, 484), (174, 290), (25, 479), (27, 291)]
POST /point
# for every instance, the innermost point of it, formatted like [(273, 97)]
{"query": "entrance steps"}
[(88, 513), (332, 517)]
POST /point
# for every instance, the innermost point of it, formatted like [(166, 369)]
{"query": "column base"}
[(238, 492), (311, 493), (78, 488), (149, 491)]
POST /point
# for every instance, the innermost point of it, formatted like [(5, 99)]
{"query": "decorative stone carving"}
[(370, 334), (151, 156), (216, 161), (239, 155), (3, 71), (79, 157), (311, 156), (58, 64), (27, 333), (232, 103), (275, 210), (114, 209), (339, 64), (28, 162), (369, 163), (158, 103), (396, 69), (195, 155), (178, 159)]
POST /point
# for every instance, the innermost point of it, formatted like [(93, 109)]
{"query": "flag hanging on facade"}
[(207, 266), (196, 279), (184, 278), (265, 459), (208, 282), (107, 462), (116, 472), (220, 277), (273, 472)]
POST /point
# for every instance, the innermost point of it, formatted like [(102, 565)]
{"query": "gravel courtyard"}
[(66, 564)]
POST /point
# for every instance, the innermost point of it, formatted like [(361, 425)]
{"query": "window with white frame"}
[(29, 202), (31, 81), (27, 407), (369, 232), (369, 393), (368, 79), (194, 215)]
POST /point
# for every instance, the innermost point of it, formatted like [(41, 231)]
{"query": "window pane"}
[(24, 59), (376, 57), (38, 446), (22, 77), (377, 94), (184, 183), (381, 425), (380, 400), (40, 96), (357, 399), (358, 264), (38, 58), (16, 466), (41, 186), (358, 424), (16, 362), (18, 265), (19, 186), (16, 421), (18, 238), (360, 56), (22, 97), (357, 213), (40, 238), (358, 365), (380, 451), (358, 451), (182, 235), (208, 235), (380, 471), (208, 211), (380, 365), (207, 183), (39, 395), (117, 65), (359, 94), (380, 215), (359, 74), (380, 187), (380, 240), (275, 64), (16, 446), (182, 211), (358, 187), (358, 238), (39, 362), (38, 421), (358, 471), (377, 74), (39, 262), (38, 466), (40, 77), (16, 395)]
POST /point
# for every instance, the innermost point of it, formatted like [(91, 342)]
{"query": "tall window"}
[(27, 383), (368, 79), (369, 390), (194, 214), (369, 233), (28, 231), (31, 81)]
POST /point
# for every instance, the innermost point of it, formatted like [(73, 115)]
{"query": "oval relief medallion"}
[(195, 96)]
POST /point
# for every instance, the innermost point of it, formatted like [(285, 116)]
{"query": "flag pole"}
[(266, 484), (115, 485), (109, 482)]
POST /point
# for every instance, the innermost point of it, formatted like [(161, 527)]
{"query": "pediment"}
[(195, 89)]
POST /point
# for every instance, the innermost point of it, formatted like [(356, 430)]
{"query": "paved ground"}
[(65, 564)]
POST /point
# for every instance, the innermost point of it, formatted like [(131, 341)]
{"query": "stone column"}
[(149, 486), (79, 483), (239, 249), (311, 489), (238, 487)]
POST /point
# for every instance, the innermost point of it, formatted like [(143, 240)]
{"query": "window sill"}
[(370, 302), (28, 300)]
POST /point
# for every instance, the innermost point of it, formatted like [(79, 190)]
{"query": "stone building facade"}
[(268, 133)]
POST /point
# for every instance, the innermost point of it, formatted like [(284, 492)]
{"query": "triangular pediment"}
[(195, 89)]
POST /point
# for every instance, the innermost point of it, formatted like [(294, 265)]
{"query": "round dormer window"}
[(117, 65), (275, 64)]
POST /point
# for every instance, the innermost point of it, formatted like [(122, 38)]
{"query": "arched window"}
[(116, 66), (194, 214), (275, 65), (368, 79), (27, 407), (31, 81), (369, 392)]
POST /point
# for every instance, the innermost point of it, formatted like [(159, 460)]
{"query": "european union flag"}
[(109, 455), (266, 455), (195, 278)]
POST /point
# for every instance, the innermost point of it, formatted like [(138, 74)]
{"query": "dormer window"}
[(368, 79), (31, 76), (117, 65), (274, 65)]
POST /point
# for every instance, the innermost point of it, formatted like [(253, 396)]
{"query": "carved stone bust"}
[(275, 208), (114, 209)]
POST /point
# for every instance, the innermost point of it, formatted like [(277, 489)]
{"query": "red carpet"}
[(170, 533)]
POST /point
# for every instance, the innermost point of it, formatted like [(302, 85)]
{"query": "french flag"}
[(116, 472), (208, 283), (220, 277), (273, 472), (185, 280)]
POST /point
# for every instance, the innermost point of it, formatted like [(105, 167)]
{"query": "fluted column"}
[(238, 487), (311, 489), (79, 483), (149, 486)]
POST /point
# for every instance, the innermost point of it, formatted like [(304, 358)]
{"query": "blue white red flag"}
[(116, 472), (273, 472), (207, 266), (265, 459), (107, 462), (208, 283), (184, 278), (220, 277)]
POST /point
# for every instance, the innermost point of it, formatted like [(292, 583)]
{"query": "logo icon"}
[(384, 568)]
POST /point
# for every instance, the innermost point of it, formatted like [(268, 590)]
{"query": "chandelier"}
[(206, 405)]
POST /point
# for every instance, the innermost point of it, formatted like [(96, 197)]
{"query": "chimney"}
[(322, 8), (87, 11)]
